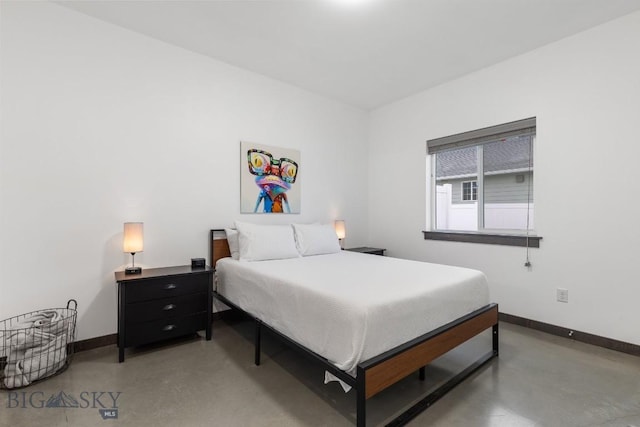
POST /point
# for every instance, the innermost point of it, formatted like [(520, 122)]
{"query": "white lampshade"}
[(340, 228), (133, 237)]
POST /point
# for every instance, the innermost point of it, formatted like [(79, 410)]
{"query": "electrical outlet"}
[(562, 295)]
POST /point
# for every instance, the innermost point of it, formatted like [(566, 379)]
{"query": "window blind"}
[(482, 136)]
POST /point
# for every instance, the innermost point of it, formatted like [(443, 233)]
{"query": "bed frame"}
[(384, 370)]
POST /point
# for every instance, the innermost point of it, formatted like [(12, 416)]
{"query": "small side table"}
[(162, 303), (367, 250)]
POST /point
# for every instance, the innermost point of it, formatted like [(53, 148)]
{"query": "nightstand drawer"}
[(165, 308), (156, 330), (163, 287)]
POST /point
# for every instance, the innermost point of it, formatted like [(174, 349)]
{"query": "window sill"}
[(491, 239)]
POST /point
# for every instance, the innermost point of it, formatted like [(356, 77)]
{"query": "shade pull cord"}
[(527, 262)]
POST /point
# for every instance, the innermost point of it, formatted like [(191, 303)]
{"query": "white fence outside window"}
[(464, 217)]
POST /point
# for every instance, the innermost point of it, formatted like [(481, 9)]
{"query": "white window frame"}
[(480, 198)]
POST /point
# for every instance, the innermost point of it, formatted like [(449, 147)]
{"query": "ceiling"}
[(366, 53)]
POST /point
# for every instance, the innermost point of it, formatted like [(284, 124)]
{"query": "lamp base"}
[(132, 270)]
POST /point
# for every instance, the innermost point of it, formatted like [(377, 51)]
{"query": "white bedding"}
[(349, 307)]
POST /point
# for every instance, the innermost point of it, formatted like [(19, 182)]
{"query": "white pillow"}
[(316, 239), (263, 242), (232, 240)]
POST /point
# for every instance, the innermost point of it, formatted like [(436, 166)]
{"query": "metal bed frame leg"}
[(496, 341), (421, 373), (361, 398), (257, 342), (361, 409)]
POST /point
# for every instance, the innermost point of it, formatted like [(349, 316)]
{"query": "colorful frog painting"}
[(274, 178)]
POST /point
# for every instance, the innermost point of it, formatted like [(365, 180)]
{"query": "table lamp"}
[(133, 242), (341, 231)]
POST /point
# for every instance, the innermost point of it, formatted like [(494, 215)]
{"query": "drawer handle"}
[(169, 328), (169, 307), (170, 286)]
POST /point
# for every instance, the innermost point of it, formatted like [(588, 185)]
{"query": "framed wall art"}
[(269, 179)]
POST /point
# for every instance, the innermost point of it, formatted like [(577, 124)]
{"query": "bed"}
[(368, 339)]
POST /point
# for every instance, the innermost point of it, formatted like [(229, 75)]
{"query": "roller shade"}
[(482, 136)]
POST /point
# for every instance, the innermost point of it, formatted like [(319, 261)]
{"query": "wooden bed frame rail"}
[(386, 369), (380, 372)]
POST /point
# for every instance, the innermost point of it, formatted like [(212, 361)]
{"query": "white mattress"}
[(349, 307)]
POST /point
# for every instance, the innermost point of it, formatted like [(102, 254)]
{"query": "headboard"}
[(219, 246)]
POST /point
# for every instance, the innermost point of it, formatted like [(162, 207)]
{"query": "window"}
[(469, 190), (482, 181)]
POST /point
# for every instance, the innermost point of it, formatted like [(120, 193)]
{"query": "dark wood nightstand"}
[(162, 303), (367, 250)]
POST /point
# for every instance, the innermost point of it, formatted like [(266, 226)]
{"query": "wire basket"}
[(36, 345)]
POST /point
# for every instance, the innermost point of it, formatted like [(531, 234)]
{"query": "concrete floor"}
[(539, 380)]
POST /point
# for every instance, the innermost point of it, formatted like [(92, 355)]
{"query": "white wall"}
[(101, 125), (585, 92)]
